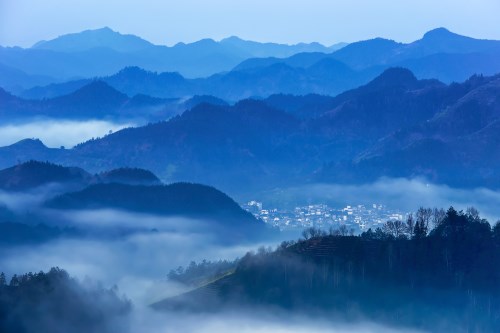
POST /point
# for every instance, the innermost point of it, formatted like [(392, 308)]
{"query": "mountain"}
[(14, 79), (439, 54), (102, 52), (455, 146), (240, 138), (396, 126), (301, 106), (131, 176), (220, 214), (93, 100), (327, 77), (96, 99), (90, 39), (301, 60), (33, 174), (277, 50), (182, 199)]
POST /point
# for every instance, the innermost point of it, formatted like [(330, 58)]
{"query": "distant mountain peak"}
[(29, 143), (438, 32), (33, 173), (104, 37), (98, 86), (132, 70), (231, 39), (106, 28), (396, 76)]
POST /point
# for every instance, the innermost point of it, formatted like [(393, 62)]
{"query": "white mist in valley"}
[(131, 250), (57, 133), (260, 321)]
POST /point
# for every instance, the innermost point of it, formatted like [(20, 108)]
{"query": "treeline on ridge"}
[(409, 273)]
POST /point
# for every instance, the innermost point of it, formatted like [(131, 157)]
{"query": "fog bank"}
[(57, 133)]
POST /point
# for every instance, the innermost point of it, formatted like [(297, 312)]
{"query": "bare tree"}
[(395, 228), (343, 230), (438, 216), (472, 213), (424, 217)]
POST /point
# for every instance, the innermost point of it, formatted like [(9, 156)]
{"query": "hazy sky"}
[(24, 22)]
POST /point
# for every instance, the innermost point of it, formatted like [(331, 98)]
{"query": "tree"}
[(424, 216), (14, 281), (312, 233), (472, 214), (420, 230), (422, 222), (438, 216), (410, 225), (396, 228), (343, 230), (3, 280)]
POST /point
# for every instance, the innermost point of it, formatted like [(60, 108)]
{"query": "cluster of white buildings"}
[(358, 217)]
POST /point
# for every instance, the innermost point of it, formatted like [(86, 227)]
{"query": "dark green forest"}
[(55, 302)]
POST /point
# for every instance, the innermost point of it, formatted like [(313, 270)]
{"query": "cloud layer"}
[(57, 133)]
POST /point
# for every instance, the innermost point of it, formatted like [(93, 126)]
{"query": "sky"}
[(166, 22)]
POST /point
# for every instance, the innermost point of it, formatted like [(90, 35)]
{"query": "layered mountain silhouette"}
[(96, 99), (103, 51), (455, 146), (328, 77), (216, 212), (92, 39), (125, 189), (396, 125), (440, 54), (33, 174), (245, 69), (131, 176), (181, 199)]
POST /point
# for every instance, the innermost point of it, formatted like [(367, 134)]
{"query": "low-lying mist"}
[(130, 250), (135, 251), (262, 321), (57, 133)]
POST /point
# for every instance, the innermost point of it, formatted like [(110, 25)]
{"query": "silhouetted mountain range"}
[(103, 51), (131, 176), (126, 189), (258, 69), (95, 99), (440, 54), (455, 146), (327, 77), (179, 199), (396, 125), (217, 213), (32, 174)]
